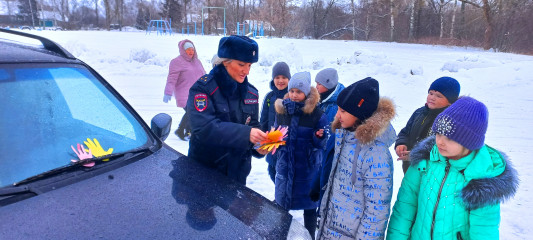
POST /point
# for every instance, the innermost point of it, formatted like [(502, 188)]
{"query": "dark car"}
[(25, 27), (138, 187)]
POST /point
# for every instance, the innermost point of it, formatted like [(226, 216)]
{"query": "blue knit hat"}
[(448, 86), (240, 48), (465, 122), (328, 78), (188, 45), (302, 81), (361, 98), (281, 68)]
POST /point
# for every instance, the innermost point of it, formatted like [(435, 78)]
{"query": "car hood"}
[(162, 196)]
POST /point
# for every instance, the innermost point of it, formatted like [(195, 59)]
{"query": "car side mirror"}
[(160, 125)]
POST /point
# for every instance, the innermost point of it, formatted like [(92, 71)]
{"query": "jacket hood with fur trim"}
[(311, 102), (375, 125), (481, 191)]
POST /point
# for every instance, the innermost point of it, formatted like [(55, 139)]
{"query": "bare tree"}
[(107, 8), (352, 8), (392, 14), (488, 38), (243, 10), (319, 13), (62, 7), (414, 8), (119, 9), (28, 12), (285, 15), (438, 8), (186, 11), (275, 12), (237, 9), (96, 11), (452, 28), (366, 5), (10, 5)]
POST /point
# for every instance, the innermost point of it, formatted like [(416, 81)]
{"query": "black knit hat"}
[(448, 86), (281, 68), (241, 48), (361, 98)]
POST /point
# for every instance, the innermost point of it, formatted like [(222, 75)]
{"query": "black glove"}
[(180, 132), (314, 193)]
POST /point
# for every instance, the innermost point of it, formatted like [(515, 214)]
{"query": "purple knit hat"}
[(465, 122)]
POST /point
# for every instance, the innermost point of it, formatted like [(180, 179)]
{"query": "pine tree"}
[(140, 24), (28, 12), (172, 9)]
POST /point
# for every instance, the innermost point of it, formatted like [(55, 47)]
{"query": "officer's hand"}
[(256, 135), (262, 151)]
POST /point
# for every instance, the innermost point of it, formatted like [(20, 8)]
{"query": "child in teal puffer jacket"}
[(456, 183)]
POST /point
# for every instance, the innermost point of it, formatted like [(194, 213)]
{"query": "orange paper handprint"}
[(274, 139)]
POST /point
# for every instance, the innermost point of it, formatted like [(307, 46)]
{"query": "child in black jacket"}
[(442, 93), (281, 74)]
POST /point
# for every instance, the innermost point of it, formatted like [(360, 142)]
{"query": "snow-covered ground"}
[(136, 64)]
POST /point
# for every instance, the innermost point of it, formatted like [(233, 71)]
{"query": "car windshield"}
[(46, 108)]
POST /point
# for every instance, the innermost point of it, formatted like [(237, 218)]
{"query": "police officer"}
[(224, 111)]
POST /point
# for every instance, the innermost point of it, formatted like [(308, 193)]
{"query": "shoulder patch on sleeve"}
[(205, 79), (200, 102)]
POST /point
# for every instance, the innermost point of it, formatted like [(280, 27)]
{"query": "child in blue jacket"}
[(328, 86), (299, 160), (281, 74)]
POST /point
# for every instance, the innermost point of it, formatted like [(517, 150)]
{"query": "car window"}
[(46, 108)]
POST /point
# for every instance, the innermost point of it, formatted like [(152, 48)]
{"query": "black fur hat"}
[(240, 48)]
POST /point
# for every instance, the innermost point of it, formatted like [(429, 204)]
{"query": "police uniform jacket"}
[(222, 114)]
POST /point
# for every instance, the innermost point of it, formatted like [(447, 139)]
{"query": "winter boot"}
[(180, 132), (183, 129), (187, 134), (310, 217)]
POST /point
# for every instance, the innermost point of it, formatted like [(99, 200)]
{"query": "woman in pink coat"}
[(183, 72)]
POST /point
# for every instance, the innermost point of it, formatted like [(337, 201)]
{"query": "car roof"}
[(14, 51)]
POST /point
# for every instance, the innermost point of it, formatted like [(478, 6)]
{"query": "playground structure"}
[(255, 28), (160, 26), (187, 30), (250, 28)]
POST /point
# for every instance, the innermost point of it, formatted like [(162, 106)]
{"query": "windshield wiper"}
[(55, 171), (8, 191)]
